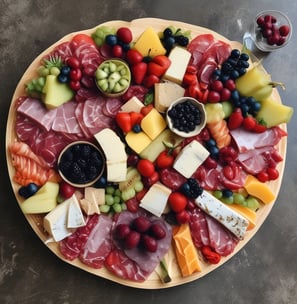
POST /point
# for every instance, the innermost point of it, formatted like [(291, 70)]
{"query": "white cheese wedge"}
[(155, 200), (179, 58), (132, 105), (190, 158), (165, 93), (115, 154), (232, 220), (75, 217), (55, 222), (92, 199)]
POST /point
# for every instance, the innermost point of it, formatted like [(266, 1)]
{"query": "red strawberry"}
[(123, 120), (249, 123), (235, 120), (159, 65), (135, 118), (138, 72), (150, 80), (259, 128), (133, 57)]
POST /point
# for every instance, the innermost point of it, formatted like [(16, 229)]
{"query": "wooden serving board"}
[(153, 282)]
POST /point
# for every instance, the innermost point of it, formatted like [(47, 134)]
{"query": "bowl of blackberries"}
[(81, 164), (272, 30), (186, 117)]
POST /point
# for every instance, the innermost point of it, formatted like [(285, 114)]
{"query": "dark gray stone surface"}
[(264, 271)]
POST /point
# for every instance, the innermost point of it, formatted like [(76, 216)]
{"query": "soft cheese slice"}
[(190, 158), (92, 199), (232, 220), (149, 43), (132, 105), (115, 154), (137, 141), (75, 217), (180, 58), (155, 200), (55, 222), (165, 93)]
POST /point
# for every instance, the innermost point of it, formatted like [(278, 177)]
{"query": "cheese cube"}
[(155, 200), (233, 221), (137, 141), (132, 105), (115, 154), (165, 93), (190, 158), (180, 58), (149, 43), (153, 124)]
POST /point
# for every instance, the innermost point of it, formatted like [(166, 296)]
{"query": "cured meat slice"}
[(112, 106), (36, 111), (171, 178), (120, 265), (147, 261), (138, 91), (26, 130), (66, 121), (71, 246), (199, 228), (220, 239), (98, 245)]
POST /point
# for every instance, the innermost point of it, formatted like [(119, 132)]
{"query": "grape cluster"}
[(113, 201), (191, 188), (212, 148), (100, 34), (81, 163), (185, 116), (248, 105), (172, 37)]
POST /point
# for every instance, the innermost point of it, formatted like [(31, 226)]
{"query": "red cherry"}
[(132, 239), (230, 84), (273, 173), (122, 231), (217, 86), (124, 34), (117, 51), (214, 97), (284, 30), (225, 94)]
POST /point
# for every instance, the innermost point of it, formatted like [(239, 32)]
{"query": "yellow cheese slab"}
[(153, 124), (137, 141), (185, 250), (149, 43), (260, 190)]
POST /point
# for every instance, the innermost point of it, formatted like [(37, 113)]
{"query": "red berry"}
[(263, 176), (74, 85), (122, 231), (182, 217), (217, 85), (73, 62), (273, 173), (149, 243), (230, 84), (225, 94), (284, 30), (228, 172), (124, 34), (157, 231), (213, 96), (75, 74), (132, 239), (117, 51), (249, 123), (66, 190), (177, 201), (260, 21), (235, 120), (210, 163)]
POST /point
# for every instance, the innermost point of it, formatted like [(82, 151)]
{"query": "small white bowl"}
[(71, 156), (197, 128), (260, 41)]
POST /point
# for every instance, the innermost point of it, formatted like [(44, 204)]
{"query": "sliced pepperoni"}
[(171, 178)]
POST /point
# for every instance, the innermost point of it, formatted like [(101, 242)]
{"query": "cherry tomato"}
[(177, 201), (263, 176), (165, 159), (74, 85), (75, 74), (182, 217), (79, 38), (124, 34), (73, 62), (145, 167), (117, 51), (272, 173), (146, 109)]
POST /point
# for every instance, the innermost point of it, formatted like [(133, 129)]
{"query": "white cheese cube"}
[(155, 200), (75, 217), (165, 93), (179, 58), (190, 158), (232, 220), (132, 105)]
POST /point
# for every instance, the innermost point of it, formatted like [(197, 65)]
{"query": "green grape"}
[(116, 199), (117, 208), (228, 200), (252, 203), (218, 194), (123, 206), (43, 71), (138, 186), (54, 71), (101, 32), (109, 190), (104, 208), (118, 192), (109, 199), (238, 198)]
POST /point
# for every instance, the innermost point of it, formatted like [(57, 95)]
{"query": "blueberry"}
[(235, 54), (111, 40), (63, 78), (65, 70), (227, 193)]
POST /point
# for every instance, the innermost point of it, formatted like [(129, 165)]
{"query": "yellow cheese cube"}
[(153, 124), (149, 43), (137, 141), (258, 189)]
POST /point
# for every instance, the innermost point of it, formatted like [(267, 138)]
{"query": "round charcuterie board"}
[(36, 220)]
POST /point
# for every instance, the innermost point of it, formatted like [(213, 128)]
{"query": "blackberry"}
[(85, 151), (182, 40), (191, 188)]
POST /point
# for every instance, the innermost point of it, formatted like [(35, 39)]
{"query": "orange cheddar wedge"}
[(258, 189), (248, 213), (185, 250)]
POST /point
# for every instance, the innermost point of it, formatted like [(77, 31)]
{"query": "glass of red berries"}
[(272, 30)]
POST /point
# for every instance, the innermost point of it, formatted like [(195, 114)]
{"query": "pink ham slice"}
[(36, 111), (98, 245)]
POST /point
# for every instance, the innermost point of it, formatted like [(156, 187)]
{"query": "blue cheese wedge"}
[(179, 58), (233, 221), (190, 158), (115, 155), (155, 200)]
